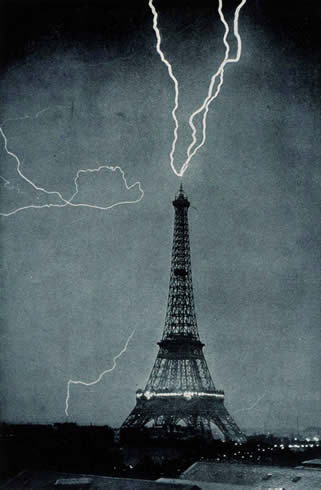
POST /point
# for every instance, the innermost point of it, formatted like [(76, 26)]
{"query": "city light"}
[(186, 394)]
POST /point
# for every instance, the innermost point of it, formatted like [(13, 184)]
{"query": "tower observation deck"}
[(180, 395)]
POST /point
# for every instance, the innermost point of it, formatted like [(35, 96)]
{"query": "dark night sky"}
[(77, 281)]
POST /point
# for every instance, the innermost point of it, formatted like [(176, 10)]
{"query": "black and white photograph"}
[(160, 216)]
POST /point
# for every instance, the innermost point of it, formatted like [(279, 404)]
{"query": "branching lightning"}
[(91, 383), (62, 201), (220, 72), (194, 146), (192, 149), (172, 76)]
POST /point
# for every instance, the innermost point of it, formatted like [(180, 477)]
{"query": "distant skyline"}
[(77, 281)]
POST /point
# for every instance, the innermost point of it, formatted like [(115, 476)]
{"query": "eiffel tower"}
[(180, 396)]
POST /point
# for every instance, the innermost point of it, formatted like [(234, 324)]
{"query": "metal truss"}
[(180, 393)]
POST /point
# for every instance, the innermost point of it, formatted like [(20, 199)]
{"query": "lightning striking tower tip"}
[(211, 95)]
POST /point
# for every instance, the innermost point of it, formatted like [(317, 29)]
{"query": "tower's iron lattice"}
[(180, 395)]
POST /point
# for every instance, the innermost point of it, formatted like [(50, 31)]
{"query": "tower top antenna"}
[(181, 197)]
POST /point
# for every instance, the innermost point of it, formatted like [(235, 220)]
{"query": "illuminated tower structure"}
[(180, 396)]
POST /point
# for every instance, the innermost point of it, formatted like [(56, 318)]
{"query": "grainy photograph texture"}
[(160, 221)]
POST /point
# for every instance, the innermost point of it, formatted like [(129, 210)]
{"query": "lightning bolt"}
[(22, 118), (91, 383), (63, 202), (6, 182), (220, 72), (194, 147), (252, 406), (172, 76)]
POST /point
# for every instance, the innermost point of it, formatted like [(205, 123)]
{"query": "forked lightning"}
[(194, 146), (63, 202), (91, 383)]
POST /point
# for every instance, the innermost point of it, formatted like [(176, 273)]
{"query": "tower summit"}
[(180, 396)]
